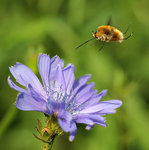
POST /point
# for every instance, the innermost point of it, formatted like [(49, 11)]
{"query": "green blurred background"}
[(28, 27)]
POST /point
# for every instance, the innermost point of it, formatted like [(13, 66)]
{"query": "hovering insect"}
[(108, 33)]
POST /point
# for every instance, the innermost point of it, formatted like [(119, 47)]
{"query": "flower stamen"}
[(55, 114)]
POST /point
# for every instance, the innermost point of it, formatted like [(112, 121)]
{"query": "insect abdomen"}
[(117, 36)]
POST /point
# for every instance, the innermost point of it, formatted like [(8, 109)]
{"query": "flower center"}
[(60, 95)]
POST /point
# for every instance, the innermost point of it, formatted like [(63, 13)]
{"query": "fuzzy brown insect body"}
[(108, 33)]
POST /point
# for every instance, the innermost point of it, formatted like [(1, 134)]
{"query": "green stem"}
[(48, 146)]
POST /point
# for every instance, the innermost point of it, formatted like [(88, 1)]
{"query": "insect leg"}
[(101, 46), (126, 30), (109, 20), (128, 36)]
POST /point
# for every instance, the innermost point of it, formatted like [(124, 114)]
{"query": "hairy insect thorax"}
[(108, 33)]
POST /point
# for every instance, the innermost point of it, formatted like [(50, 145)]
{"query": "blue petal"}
[(96, 98), (103, 107), (90, 119), (59, 79), (25, 76), (90, 116), (84, 118), (56, 106), (44, 69), (54, 63), (80, 82), (66, 123), (35, 95), (84, 90), (89, 127), (83, 101), (69, 76), (27, 103), (83, 94), (100, 123), (98, 120), (85, 121), (72, 134), (14, 86), (65, 116)]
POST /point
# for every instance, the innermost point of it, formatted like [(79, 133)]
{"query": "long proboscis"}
[(85, 43)]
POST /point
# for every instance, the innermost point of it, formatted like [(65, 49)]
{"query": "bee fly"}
[(108, 33)]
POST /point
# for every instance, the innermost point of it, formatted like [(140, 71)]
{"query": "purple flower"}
[(71, 101)]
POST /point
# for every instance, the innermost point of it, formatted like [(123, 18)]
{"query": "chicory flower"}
[(70, 101)]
